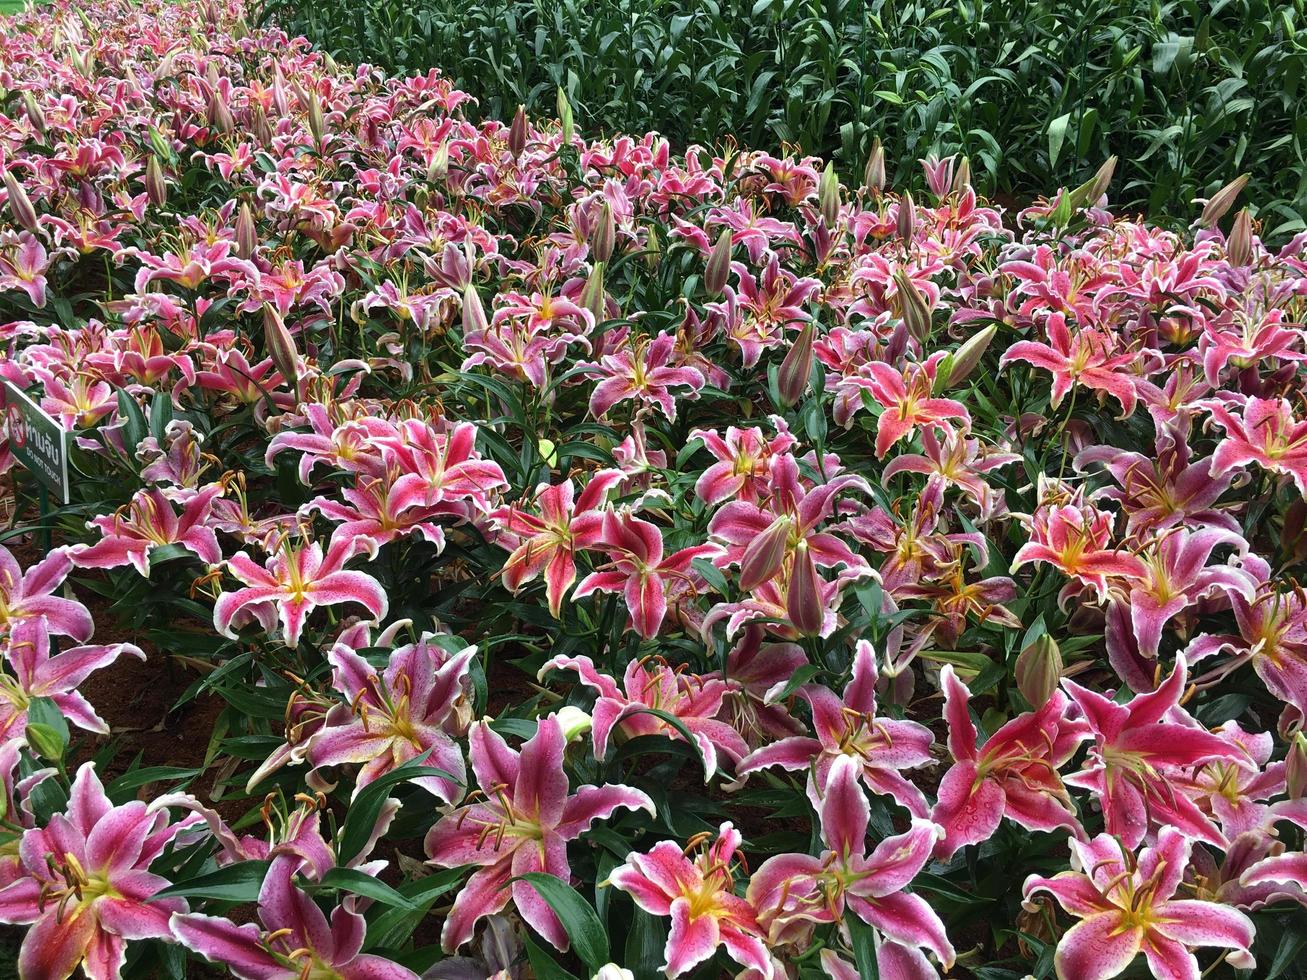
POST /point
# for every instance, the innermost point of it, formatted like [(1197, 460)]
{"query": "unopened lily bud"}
[(261, 128), (1295, 770), (765, 554), (20, 205), (46, 741), (962, 177), (317, 122), (1239, 246), (916, 311), (1100, 182), (247, 235), (611, 971), (828, 196), (966, 357), (907, 222), (220, 113), (155, 185), (474, 314), (565, 120), (35, 114), (593, 296), (329, 62), (517, 133), (803, 598), (796, 369), (1221, 202), (873, 177), (604, 234), (574, 722), (281, 347), (439, 168), (1039, 670), (719, 265), (653, 249)]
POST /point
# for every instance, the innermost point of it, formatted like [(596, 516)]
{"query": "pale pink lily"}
[(521, 823), (389, 718), (29, 595), (847, 727), (1235, 795), (297, 940), (85, 888), (1015, 773), (642, 372), (1266, 433), (1126, 906), (797, 888), (36, 674), (24, 267), (548, 544), (295, 581), (648, 684), (148, 523), (1133, 746), (372, 509), (700, 897), (637, 568)]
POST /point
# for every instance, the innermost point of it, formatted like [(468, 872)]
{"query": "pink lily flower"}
[(297, 940), (700, 897), (522, 822), (439, 467), (85, 888), (135, 532), (292, 583), (1015, 774), (743, 461), (1076, 541), (1089, 359), (908, 400), (791, 889), (1125, 905), (371, 509), (637, 568), (549, 543), (641, 372), (694, 701), (1266, 434), (1133, 743), (36, 674), (25, 267), (29, 596), (1235, 794), (956, 461), (349, 444), (389, 718), (847, 727)]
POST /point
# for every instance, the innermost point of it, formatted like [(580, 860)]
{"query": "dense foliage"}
[(585, 559), (1185, 93)]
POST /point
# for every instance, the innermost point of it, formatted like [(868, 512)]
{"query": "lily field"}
[(497, 549)]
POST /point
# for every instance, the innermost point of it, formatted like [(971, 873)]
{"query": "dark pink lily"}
[(1015, 774), (521, 823), (27, 596), (642, 372), (148, 523), (1265, 433), (1089, 358)]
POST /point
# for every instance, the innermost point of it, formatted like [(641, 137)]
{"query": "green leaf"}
[(234, 883), (366, 806), (589, 941), (864, 947), (359, 883), (1056, 137)]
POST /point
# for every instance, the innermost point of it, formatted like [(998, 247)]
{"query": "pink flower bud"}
[(34, 112), (765, 554), (1239, 246), (474, 314), (247, 235), (604, 235), (796, 369), (803, 598), (593, 297), (281, 347), (220, 113), (873, 177), (261, 128), (155, 185), (1039, 670), (517, 133), (915, 310), (20, 205), (1221, 202), (907, 221), (719, 265)]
